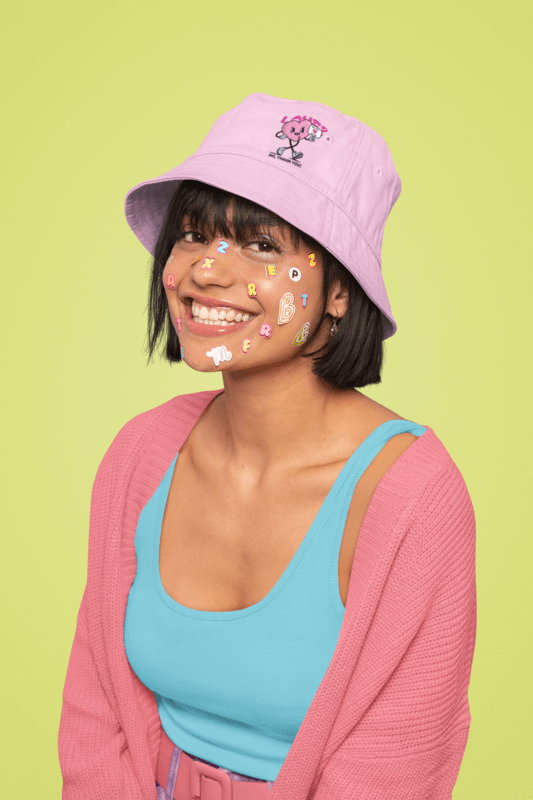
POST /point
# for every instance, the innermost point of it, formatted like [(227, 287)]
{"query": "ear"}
[(338, 300)]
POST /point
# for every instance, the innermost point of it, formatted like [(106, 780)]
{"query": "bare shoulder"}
[(369, 414), (373, 408)]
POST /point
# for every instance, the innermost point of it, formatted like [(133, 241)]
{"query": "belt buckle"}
[(209, 783)]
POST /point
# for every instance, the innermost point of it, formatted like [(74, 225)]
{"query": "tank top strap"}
[(361, 458)]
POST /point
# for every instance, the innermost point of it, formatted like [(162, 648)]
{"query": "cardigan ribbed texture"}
[(390, 718)]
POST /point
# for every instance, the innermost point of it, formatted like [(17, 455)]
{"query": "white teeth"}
[(222, 322), (215, 315)]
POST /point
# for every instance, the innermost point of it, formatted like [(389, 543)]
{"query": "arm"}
[(95, 754), (408, 717)]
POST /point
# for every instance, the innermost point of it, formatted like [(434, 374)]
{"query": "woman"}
[(288, 608)]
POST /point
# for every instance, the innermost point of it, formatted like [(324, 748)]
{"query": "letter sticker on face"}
[(170, 259), (266, 330), (295, 274), (252, 291), (178, 320), (246, 345), (182, 353), (222, 246), (286, 308), (301, 336), (219, 354), (208, 263), (311, 257), (171, 283), (270, 269), (304, 299), (196, 259)]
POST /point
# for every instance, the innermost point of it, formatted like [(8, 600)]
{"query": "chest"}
[(222, 552)]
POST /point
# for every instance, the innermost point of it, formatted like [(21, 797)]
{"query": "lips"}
[(213, 331), (213, 302)]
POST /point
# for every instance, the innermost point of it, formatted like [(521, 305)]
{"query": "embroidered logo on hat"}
[(296, 130)]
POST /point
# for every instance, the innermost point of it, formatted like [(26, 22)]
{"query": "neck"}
[(277, 419)]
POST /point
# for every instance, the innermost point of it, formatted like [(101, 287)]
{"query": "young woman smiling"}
[(281, 587), (271, 446)]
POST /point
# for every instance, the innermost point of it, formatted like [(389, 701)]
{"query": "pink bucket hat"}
[(324, 172)]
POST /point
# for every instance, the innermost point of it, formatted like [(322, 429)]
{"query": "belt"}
[(199, 781)]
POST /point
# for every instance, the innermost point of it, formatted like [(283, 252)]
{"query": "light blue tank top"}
[(233, 687)]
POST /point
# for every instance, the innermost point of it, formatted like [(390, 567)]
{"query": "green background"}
[(98, 97)]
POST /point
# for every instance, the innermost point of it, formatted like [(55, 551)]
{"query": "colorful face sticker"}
[(302, 334), (286, 308), (266, 330), (311, 257), (222, 246), (219, 354), (252, 291), (270, 269), (246, 345), (182, 353), (196, 259), (304, 299), (295, 274), (170, 259), (171, 283), (178, 320), (208, 263)]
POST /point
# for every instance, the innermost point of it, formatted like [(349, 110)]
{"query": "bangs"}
[(207, 208)]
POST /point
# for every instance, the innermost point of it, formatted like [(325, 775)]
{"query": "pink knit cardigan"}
[(390, 719)]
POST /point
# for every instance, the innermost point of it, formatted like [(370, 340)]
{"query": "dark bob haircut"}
[(350, 359)]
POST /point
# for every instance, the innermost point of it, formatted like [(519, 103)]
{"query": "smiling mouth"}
[(219, 315)]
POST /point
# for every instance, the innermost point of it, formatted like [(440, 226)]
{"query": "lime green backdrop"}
[(100, 96)]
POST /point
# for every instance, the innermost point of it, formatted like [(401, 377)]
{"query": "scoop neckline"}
[(318, 520)]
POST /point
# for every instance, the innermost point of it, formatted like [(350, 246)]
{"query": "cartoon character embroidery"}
[(295, 130)]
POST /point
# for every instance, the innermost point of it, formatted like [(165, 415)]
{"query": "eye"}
[(194, 234), (266, 243)]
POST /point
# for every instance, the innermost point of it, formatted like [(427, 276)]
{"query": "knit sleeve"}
[(94, 754), (408, 696)]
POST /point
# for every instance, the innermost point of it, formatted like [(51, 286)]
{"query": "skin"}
[(300, 415)]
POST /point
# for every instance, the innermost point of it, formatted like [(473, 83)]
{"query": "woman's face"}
[(210, 283)]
